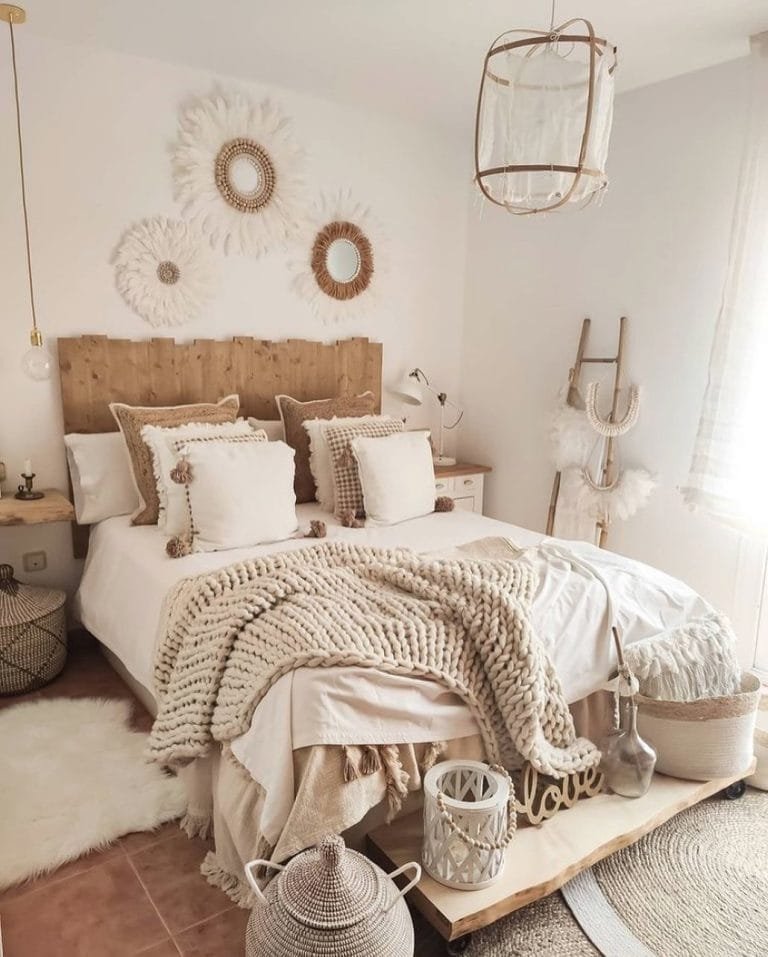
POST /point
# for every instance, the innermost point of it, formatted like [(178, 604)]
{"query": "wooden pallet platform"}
[(540, 859)]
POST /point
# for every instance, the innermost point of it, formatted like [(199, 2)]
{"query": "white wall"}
[(656, 251), (97, 130)]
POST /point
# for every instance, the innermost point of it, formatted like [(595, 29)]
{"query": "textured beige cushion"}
[(132, 418), (347, 491), (294, 413)]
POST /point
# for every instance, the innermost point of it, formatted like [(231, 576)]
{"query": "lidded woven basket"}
[(330, 901), (33, 635)]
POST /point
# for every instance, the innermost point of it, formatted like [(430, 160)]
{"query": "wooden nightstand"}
[(463, 483), (54, 507)]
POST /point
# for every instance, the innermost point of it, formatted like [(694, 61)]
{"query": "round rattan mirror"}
[(342, 260), (244, 174)]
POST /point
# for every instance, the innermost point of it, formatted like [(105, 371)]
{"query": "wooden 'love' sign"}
[(541, 797)]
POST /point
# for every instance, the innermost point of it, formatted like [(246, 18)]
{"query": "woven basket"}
[(760, 778), (33, 634), (704, 739), (330, 902)]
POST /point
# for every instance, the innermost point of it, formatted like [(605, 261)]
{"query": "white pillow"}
[(397, 476), (240, 493), (102, 478), (320, 462), (161, 442), (273, 427)]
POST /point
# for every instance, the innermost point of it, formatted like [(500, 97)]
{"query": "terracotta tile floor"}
[(143, 895)]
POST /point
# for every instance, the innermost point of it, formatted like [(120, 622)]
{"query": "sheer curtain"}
[(729, 470)]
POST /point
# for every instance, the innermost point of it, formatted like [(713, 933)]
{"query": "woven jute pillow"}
[(347, 491), (132, 418), (295, 413)]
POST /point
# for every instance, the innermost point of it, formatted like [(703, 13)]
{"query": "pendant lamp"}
[(36, 362), (544, 113)]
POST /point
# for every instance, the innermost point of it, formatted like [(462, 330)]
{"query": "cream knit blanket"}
[(228, 636)]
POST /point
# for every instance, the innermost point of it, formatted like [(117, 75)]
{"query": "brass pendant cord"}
[(36, 339)]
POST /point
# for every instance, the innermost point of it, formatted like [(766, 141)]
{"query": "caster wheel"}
[(734, 791), (459, 946)]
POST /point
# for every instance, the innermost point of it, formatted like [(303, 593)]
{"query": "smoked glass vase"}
[(628, 760)]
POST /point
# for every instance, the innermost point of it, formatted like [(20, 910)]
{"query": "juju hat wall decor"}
[(238, 172), (343, 258), (164, 270)]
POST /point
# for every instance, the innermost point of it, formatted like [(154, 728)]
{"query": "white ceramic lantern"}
[(544, 115), (469, 819)]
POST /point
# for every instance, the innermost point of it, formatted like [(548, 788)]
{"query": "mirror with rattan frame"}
[(342, 260)]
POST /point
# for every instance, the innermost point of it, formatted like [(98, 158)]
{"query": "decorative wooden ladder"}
[(575, 401)]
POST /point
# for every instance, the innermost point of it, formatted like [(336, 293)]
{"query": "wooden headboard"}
[(96, 370)]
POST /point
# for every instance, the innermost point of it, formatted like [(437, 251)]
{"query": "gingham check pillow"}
[(348, 492)]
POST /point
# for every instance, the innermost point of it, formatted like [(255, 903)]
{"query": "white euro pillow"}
[(102, 478), (240, 493), (161, 442), (397, 476)]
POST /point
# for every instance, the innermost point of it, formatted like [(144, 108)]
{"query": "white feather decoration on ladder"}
[(572, 438), (620, 500)]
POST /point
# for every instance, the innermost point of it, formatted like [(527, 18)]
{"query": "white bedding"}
[(128, 575)]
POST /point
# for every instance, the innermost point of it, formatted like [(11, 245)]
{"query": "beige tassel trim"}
[(348, 519), (235, 889), (397, 779), (431, 755), (371, 762), (196, 824), (351, 764)]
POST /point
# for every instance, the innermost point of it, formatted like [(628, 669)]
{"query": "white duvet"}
[(128, 575)]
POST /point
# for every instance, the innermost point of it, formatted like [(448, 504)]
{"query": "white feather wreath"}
[(165, 271), (339, 208), (619, 501), (219, 131), (573, 441)]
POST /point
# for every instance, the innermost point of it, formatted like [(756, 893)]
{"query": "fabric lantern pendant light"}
[(36, 361), (544, 114)]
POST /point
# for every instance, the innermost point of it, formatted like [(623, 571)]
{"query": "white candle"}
[(27, 466)]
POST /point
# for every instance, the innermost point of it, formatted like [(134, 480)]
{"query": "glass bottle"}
[(628, 761)]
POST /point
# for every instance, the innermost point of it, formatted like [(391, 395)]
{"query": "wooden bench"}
[(540, 859)]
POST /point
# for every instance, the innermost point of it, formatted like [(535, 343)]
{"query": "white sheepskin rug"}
[(73, 777)]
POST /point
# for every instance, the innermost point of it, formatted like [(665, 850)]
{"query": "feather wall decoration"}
[(620, 500), (573, 440)]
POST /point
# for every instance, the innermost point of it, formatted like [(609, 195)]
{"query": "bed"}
[(285, 774)]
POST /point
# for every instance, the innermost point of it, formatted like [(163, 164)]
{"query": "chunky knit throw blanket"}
[(228, 636)]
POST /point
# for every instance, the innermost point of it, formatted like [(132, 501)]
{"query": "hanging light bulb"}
[(36, 362)]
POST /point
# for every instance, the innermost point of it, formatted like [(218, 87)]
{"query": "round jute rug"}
[(695, 887)]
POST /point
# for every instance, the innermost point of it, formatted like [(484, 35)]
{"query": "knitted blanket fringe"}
[(227, 637), (695, 661)]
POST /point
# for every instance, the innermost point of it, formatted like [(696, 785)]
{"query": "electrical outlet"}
[(34, 561)]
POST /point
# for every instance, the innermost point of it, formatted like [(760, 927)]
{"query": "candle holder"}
[(26, 493)]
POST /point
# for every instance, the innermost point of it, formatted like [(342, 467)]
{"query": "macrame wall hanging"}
[(591, 490)]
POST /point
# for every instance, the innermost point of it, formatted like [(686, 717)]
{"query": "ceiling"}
[(418, 58)]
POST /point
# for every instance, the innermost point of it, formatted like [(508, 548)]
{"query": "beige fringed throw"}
[(228, 636)]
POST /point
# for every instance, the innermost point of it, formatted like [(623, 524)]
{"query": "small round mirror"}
[(342, 260), (244, 175)]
